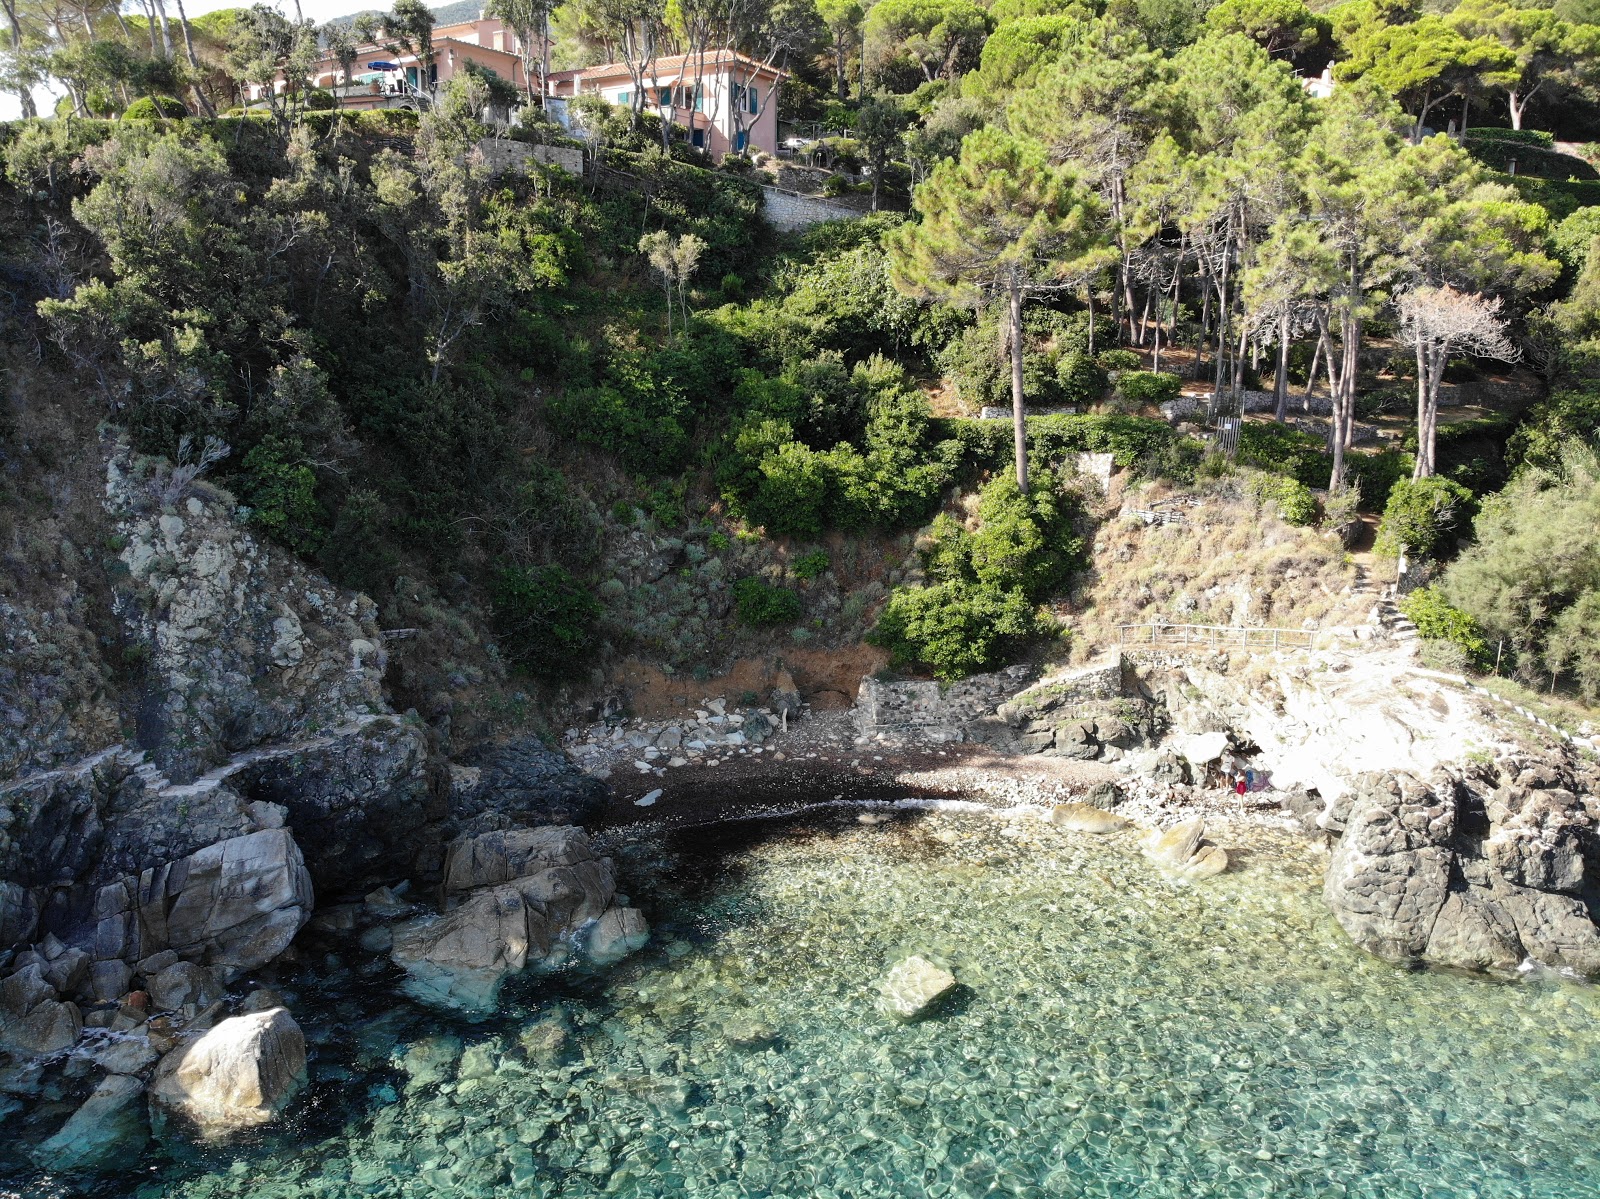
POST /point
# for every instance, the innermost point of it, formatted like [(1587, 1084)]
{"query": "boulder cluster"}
[(1484, 870)]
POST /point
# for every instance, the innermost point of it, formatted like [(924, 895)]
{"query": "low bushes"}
[(1422, 517), (984, 586), (761, 604), (1438, 621), (1290, 498), (1148, 387)]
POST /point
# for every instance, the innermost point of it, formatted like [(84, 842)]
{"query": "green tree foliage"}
[(547, 620), (1001, 221), (1547, 53), (1424, 517), (1017, 54), (1419, 63), (1533, 576), (1278, 26), (939, 38)]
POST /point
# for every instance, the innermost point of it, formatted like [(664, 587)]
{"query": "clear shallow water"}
[(1115, 1036)]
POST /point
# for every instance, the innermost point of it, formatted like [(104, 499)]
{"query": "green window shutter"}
[(755, 101)]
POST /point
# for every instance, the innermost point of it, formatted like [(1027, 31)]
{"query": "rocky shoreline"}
[(153, 895)]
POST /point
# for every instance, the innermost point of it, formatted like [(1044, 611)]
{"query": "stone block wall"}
[(788, 211), (503, 156), (930, 708)]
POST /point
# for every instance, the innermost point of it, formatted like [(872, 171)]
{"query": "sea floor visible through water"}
[(1114, 1034)]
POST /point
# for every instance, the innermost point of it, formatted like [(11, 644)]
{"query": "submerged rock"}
[(1180, 853), (458, 960), (1084, 818), (618, 932), (106, 1133), (240, 1074), (913, 987)]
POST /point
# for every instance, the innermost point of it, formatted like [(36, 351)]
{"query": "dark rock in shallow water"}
[(1409, 886)]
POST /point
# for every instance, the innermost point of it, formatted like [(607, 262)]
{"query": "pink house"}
[(384, 76), (727, 101)]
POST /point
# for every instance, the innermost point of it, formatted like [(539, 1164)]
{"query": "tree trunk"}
[(1280, 381), (166, 33), (1311, 375), (1089, 295), (1019, 429), (1516, 103), (24, 95)]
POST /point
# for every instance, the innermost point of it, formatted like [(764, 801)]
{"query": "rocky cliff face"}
[(186, 779), (1482, 871)]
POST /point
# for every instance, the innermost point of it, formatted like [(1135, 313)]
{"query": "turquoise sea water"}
[(1115, 1035)]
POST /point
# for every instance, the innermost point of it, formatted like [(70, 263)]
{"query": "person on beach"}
[(1240, 786)]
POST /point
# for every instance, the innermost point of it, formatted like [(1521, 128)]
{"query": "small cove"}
[(1115, 1035)]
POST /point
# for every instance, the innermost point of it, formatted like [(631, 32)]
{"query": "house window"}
[(699, 98), (741, 141), (624, 97), (755, 100), (698, 138), (663, 97)]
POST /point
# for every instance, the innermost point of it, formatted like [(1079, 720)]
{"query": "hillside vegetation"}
[(548, 420)]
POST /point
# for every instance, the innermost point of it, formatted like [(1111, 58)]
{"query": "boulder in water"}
[(183, 983), (1407, 888), (914, 986), (459, 959), (105, 1133), (238, 1075), (1083, 818), (1179, 851), (618, 932)]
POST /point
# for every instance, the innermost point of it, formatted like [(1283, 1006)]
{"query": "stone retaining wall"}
[(788, 211), (928, 706), (503, 156)]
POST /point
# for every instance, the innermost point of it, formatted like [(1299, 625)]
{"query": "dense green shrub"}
[(1080, 378), (811, 566), (1424, 517), (1285, 450), (281, 490), (955, 629), (1290, 498), (320, 100), (984, 447), (1148, 387), (547, 620), (760, 604), (984, 586), (147, 108), (1549, 427), (1533, 576), (1117, 360), (1376, 475), (1437, 620)]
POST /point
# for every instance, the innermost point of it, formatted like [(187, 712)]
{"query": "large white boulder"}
[(240, 1074)]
